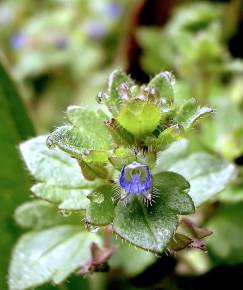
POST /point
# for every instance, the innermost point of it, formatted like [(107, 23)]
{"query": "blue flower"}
[(135, 179)]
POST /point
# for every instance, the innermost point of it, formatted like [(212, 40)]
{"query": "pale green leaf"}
[(49, 256), (163, 85), (52, 166), (87, 133), (115, 80), (173, 153), (66, 197), (190, 113), (40, 214), (139, 118), (206, 174)]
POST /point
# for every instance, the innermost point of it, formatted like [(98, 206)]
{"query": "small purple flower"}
[(96, 30), (18, 40), (135, 179), (114, 10)]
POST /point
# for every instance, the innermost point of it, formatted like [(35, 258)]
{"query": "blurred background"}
[(60, 52)]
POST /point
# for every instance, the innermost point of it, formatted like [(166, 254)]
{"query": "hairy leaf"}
[(49, 256), (88, 133), (206, 174), (40, 214), (101, 212), (190, 113), (150, 228), (66, 197), (139, 118)]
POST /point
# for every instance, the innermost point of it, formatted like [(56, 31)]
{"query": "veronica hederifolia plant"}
[(127, 168)]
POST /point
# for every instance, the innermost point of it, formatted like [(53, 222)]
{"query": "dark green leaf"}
[(227, 227), (150, 228), (165, 138), (173, 190), (15, 126), (101, 212)]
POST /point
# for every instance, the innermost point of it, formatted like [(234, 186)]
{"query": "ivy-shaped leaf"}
[(173, 190), (39, 214), (171, 155), (207, 174), (145, 227), (61, 180), (190, 113), (49, 256), (66, 198), (152, 227), (86, 138)]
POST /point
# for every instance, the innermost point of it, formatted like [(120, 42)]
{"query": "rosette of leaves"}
[(80, 170)]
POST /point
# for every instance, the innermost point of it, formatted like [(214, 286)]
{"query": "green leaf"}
[(101, 212), (150, 228), (139, 118), (11, 99), (227, 226), (61, 179), (232, 194), (120, 156), (87, 135), (165, 138), (119, 135), (163, 85), (52, 166), (190, 113), (66, 197), (207, 175), (49, 256), (92, 170), (173, 190), (115, 80), (40, 214), (172, 154), (15, 126)]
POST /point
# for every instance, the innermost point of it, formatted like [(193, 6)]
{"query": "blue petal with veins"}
[(135, 178)]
